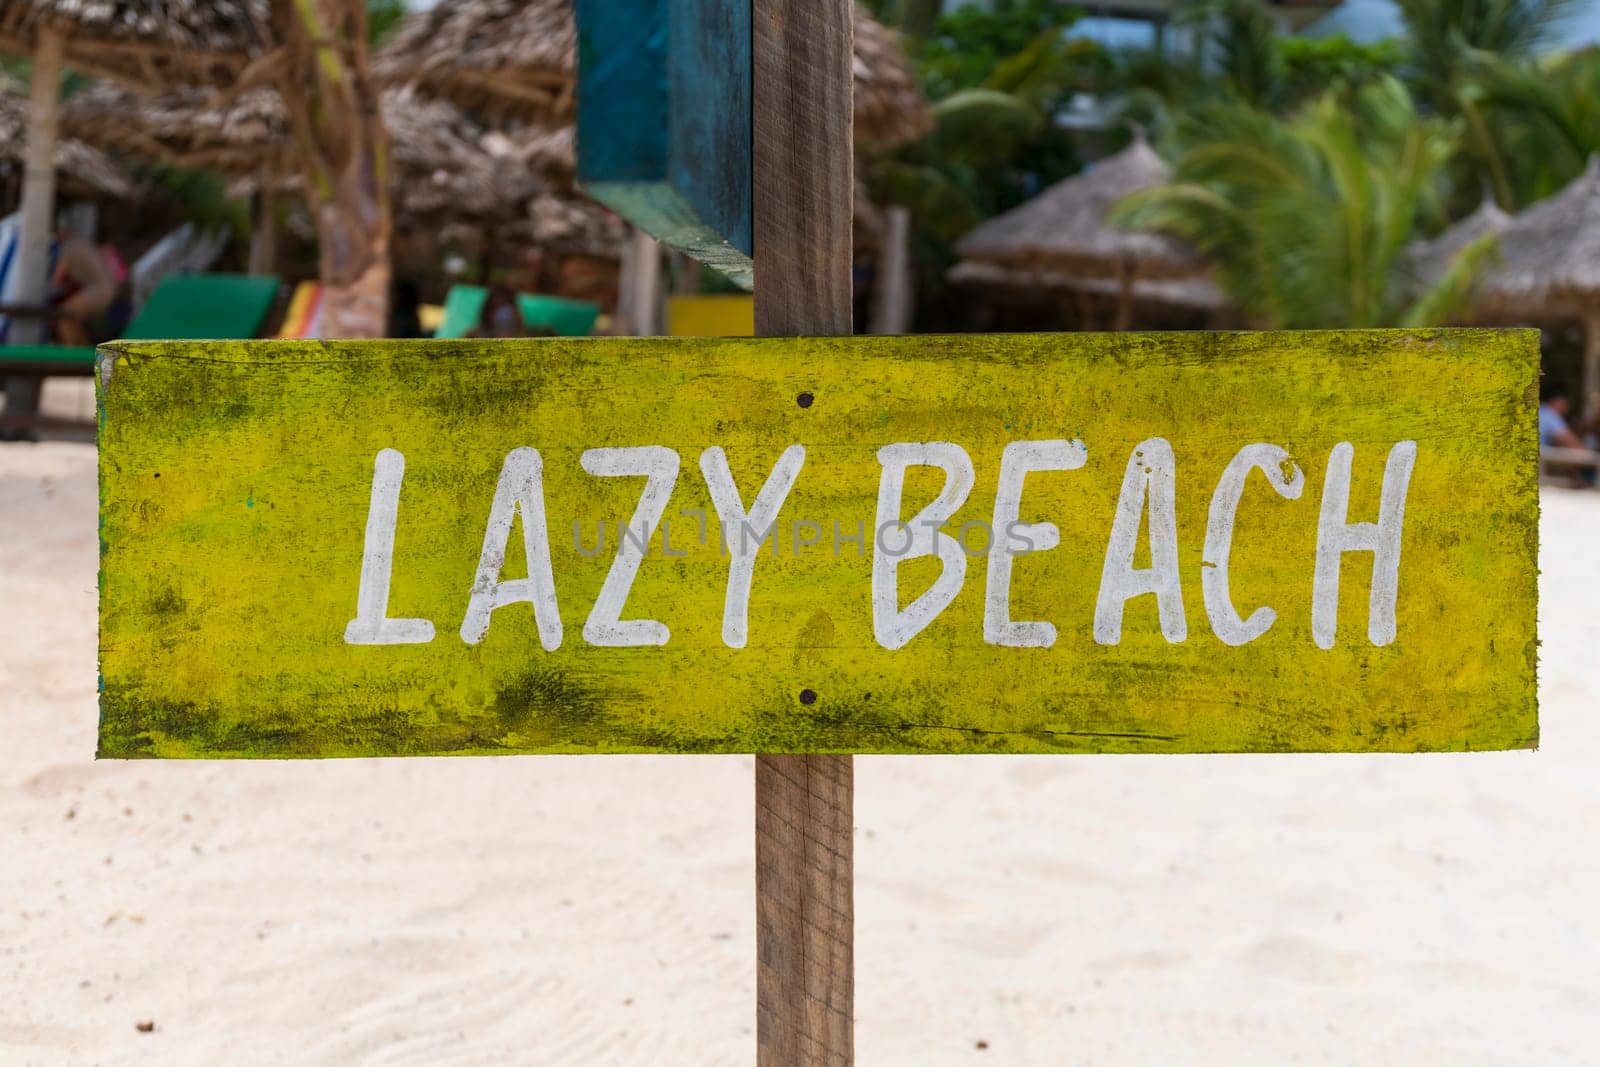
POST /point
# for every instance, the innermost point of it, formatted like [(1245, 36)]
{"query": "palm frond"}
[(1446, 298)]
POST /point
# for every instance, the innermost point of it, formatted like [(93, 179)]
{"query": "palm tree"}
[(1544, 118), (1308, 217), (1445, 35), (1464, 54), (332, 103), (997, 76), (1241, 56)]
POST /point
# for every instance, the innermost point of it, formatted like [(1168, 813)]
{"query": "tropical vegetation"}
[(1304, 166)]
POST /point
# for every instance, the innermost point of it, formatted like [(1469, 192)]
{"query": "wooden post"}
[(803, 194), (264, 237), (30, 281), (639, 295), (891, 293), (1124, 319), (1591, 362)]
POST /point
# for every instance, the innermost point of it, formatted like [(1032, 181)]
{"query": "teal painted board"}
[(664, 122)]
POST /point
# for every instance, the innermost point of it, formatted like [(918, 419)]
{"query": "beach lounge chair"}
[(303, 319), (463, 305), (220, 307)]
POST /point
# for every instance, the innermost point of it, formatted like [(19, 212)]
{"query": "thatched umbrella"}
[(509, 59), (513, 61), (245, 136), (145, 43), (890, 109), (445, 167), (560, 224), (1550, 265), (1065, 229), (81, 170), (1431, 259)]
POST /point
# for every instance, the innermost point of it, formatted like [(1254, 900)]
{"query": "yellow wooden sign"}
[(1078, 543)]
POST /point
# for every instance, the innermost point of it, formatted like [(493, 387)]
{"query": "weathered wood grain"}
[(805, 881), (805, 911), (803, 158), (236, 479)]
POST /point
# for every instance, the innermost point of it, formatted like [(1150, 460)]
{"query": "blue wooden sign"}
[(664, 122)]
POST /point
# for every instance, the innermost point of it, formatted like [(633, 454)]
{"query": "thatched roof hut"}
[(1045, 299), (148, 44), (1550, 265), (1066, 229), (444, 169), (513, 61), (81, 170)]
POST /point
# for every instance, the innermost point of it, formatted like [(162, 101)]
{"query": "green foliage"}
[(382, 18), (1472, 60), (997, 77), (914, 18), (1531, 125), (202, 195), (1240, 45), (1313, 65), (1447, 297), (1241, 57), (939, 202), (971, 44), (1305, 165), (1307, 217), (980, 124)]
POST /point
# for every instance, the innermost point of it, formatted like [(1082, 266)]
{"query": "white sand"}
[(1104, 910)]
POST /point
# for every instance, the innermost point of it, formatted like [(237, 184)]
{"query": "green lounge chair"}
[(463, 305), (183, 307)]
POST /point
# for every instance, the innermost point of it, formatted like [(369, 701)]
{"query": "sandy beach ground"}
[(1167, 910)]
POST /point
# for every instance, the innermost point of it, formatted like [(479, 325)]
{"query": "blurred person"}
[(120, 313), (499, 317), (83, 283), (1554, 429), (82, 286)]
